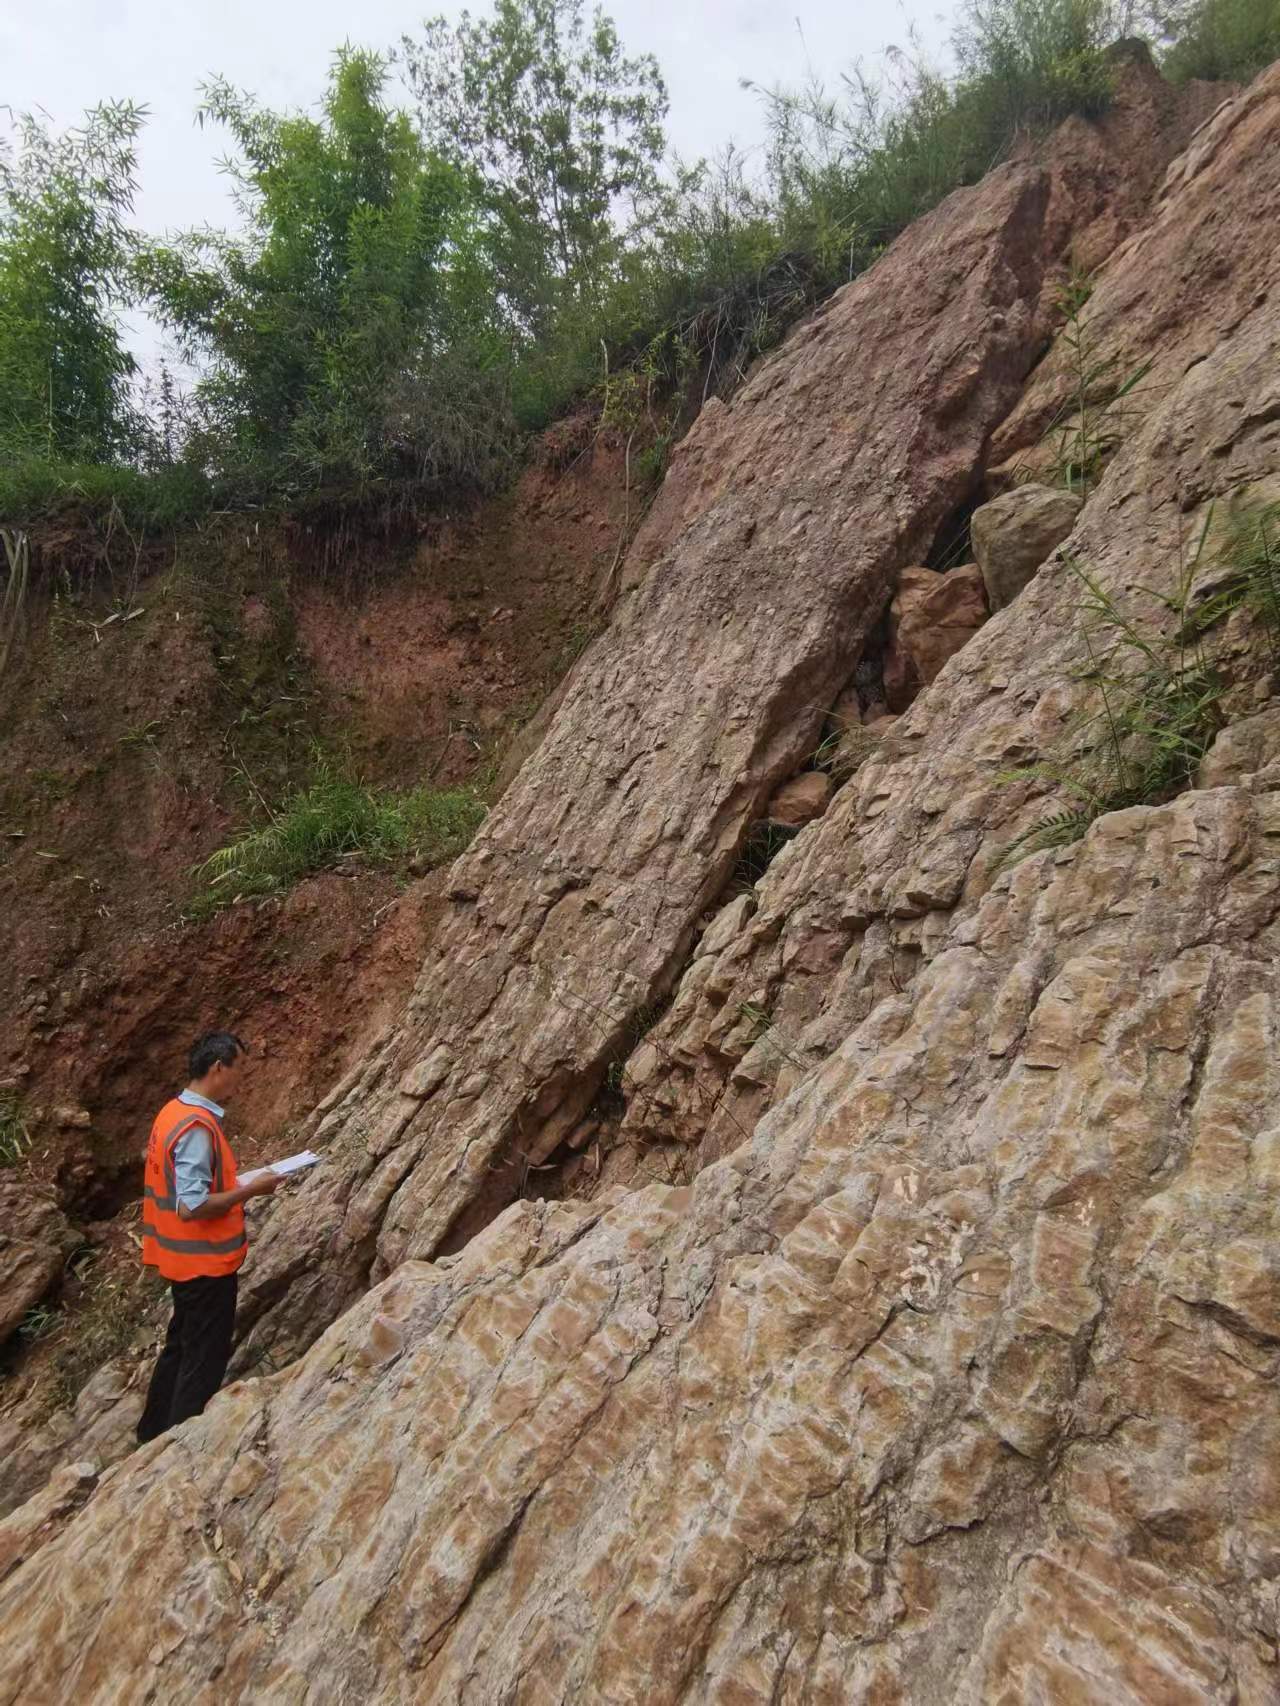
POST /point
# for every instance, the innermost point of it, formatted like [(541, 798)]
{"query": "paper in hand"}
[(290, 1164)]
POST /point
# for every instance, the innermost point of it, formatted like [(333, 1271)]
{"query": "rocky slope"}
[(949, 1373), (750, 596)]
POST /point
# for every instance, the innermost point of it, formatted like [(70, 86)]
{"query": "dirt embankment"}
[(157, 699)]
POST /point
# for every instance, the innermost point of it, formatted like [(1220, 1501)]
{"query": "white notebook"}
[(290, 1164)]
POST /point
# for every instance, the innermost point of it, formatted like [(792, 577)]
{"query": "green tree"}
[(65, 248), (564, 130), (327, 330), (1228, 40)]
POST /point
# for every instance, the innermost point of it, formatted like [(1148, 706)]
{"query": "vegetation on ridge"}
[(412, 287)]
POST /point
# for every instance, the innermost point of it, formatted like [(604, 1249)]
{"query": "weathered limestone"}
[(766, 561), (857, 902), (747, 598), (958, 1378)]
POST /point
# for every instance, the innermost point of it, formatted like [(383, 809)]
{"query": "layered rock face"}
[(768, 559), (851, 909), (771, 554), (948, 1375)]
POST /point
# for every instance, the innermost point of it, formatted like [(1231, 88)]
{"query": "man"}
[(193, 1231)]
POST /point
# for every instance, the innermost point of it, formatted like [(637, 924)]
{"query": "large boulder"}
[(931, 617), (1014, 534)]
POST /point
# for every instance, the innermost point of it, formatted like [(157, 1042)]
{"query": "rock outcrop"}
[(765, 564), (955, 1384), (1014, 534), (35, 1240), (761, 571), (891, 851), (931, 618), (936, 1360)]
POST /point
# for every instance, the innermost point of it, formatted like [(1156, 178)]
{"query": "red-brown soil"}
[(131, 749)]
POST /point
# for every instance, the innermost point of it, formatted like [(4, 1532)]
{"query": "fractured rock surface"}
[(955, 1384), (764, 565), (767, 560)]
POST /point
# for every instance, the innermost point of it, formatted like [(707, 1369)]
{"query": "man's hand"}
[(265, 1183)]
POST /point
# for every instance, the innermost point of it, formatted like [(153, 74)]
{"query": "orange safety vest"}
[(188, 1249)]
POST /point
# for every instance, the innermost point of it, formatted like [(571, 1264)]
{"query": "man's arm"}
[(193, 1175), (218, 1202)]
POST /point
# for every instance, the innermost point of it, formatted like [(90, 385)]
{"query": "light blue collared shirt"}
[(193, 1156)]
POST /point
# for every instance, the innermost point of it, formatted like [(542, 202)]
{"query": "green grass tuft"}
[(15, 1139), (1160, 686), (332, 821), (41, 1321)]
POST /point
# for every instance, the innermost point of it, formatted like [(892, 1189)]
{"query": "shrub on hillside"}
[(733, 264), (332, 333), (33, 486), (408, 297)]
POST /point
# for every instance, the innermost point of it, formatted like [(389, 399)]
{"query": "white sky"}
[(64, 55)]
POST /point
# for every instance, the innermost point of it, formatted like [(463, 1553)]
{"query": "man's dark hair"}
[(214, 1048)]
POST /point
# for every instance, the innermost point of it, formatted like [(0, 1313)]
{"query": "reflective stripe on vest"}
[(208, 1246), (188, 1248)]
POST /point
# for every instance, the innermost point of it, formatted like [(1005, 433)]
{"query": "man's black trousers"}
[(196, 1351)]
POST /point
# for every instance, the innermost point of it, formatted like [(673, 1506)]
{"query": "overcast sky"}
[(64, 55)]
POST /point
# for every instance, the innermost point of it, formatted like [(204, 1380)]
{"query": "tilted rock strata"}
[(769, 557), (1180, 282), (956, 1384), (952, 1381), (849, 911)]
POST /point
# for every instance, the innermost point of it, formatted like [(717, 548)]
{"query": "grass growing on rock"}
[(14, 1137), (1161, 689), (333, 821)]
